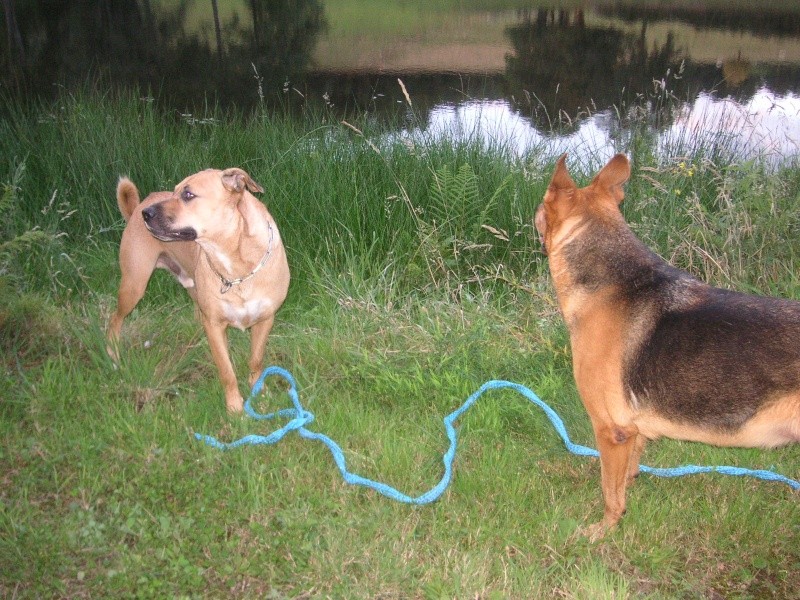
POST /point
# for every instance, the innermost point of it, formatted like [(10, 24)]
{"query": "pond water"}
[(513, 73)]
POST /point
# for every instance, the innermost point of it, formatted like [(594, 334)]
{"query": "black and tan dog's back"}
[(656, 352)]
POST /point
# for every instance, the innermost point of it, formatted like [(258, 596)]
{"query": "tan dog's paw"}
[(114, 356), (234, 405), (596, 531), (253, 378)]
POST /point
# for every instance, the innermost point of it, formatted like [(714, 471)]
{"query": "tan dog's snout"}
[(149, 214), (160, 225)]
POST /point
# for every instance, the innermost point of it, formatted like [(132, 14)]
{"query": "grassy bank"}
[(416, 279)]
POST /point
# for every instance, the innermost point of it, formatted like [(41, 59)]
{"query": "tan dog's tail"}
[(127, 197)]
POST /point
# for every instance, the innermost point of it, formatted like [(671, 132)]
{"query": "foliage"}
[(12, 244)]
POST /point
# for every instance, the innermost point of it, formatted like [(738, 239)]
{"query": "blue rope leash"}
[(299, 418)]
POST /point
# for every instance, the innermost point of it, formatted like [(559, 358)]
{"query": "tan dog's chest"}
[(241, 306), (243, 314)]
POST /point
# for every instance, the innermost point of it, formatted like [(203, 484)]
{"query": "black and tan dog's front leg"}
[(218, 341), (620, 447), (617, 436)]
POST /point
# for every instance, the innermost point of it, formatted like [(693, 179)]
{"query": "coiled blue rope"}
[(299, 418)]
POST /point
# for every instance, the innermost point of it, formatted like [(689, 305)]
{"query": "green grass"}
[(401, 305)]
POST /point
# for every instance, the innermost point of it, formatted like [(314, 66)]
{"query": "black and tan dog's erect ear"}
[(561, 180), (236, 180), (613, 176)]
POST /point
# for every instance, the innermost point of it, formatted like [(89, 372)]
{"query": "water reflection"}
[(496, 125), (766, 128), (570, 67), (510, 75)]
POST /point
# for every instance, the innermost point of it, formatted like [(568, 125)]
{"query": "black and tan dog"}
[(657, 352), (222, 245)]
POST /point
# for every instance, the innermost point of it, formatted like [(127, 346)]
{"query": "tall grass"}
[(334, 193), (416, 277)]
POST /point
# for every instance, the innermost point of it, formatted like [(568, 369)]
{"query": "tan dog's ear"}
[(236, 180), (561, 180), (613, 176)]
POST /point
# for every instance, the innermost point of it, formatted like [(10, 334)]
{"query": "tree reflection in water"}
[(129, 43), (571, 78)]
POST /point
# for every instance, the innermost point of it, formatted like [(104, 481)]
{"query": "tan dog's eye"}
[(186, 195)]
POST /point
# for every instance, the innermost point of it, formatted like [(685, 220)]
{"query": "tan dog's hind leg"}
[(258, 343), (618, 446), (218, 341), (136, 272)]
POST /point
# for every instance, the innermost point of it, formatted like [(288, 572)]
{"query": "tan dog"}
[(657, 352), (222, 245)]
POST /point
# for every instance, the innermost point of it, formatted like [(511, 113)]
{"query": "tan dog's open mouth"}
[(154, 221)]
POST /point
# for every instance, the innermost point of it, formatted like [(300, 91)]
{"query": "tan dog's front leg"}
[(218, 341), (617, 445), (258, 343)]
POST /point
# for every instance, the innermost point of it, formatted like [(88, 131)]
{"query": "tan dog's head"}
[(565, 204), (203, 205)]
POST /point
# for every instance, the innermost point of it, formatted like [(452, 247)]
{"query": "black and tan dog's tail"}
[(127, 197)]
